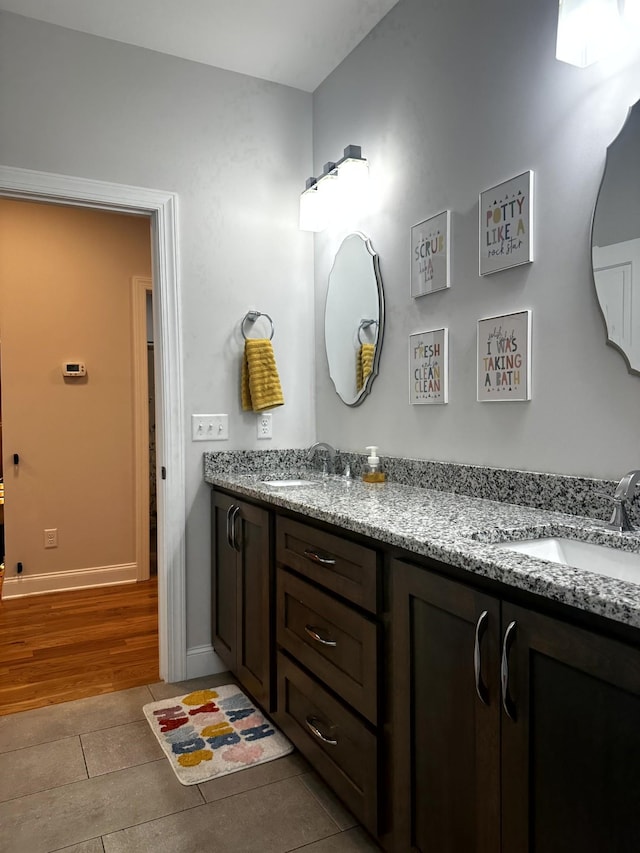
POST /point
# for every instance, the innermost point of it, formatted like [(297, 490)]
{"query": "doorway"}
[(1, 485), (43, 186), (67, 393)]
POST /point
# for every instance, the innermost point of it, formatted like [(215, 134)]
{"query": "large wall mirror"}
[(354, 319), (615, 241)]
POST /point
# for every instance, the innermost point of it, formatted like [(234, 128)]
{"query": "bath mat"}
[(213, 732)]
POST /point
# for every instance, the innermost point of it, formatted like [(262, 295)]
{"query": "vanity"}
[(463, 672), (457, 695)]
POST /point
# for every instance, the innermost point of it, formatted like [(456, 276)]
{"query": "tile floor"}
[(89, 777)]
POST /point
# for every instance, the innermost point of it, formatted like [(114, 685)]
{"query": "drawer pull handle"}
[(316, 558), (229, 511), (315, 731), (507, 701), (313, 633), (234, 533), (481, 627)]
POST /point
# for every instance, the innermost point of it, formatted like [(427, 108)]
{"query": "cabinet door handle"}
[(316, 558), (229, 511), (311, 723), (481, 627), (313, 633), (507, 702), (234, 533)]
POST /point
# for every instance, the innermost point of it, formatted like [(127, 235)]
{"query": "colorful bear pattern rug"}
[(213, 732)]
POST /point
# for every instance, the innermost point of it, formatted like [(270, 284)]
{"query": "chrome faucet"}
[(622, 495), (322, 445)]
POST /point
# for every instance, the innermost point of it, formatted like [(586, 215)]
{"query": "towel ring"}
[(251, 317), (364, 324)]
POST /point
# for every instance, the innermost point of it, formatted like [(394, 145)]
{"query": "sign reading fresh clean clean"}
[(428, 373), (505, 224), (430, 254), (504, 357)]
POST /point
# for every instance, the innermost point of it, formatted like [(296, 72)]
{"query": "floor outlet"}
[(209, 427), (264, 426), (51, 538)]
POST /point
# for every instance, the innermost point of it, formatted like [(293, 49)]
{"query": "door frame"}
[(161, 207), (141, 286)]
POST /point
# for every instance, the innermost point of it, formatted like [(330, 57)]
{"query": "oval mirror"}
[(354, 319), (615, 241)]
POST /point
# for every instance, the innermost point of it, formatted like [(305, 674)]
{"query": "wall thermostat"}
[(74, 368)]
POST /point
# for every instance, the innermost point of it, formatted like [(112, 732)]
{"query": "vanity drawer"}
[(346, 568), (331, 639), (339, 745)]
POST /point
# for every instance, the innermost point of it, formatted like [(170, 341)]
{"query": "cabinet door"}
[(571, 757), (223, 581), (445, 737), (253, 615)]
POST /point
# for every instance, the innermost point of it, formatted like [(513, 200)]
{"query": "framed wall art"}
[(506, 224), (504, 357), (429, 367), (430, 254)]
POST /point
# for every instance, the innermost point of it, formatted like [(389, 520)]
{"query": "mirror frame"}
[(632, 370), (366, 388)]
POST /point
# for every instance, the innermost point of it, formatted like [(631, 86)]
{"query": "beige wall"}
[(65, 294)]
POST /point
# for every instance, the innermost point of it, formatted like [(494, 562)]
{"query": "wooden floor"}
[(69, 645)]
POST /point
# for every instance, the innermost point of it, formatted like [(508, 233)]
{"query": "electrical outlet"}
[(263, 425), (209, 427), (51, 538)]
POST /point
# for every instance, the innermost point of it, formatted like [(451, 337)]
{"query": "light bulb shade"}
[(631, 13), (354, 177), (587, 30), (328, 187), (313, 210)]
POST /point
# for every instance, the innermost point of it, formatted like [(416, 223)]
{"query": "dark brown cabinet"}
[(327, 661), (241, 592), (571, 756), (512, 731), (446, 718), (445, 737)]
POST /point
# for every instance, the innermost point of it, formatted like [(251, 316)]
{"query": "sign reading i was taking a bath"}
[(504, 357), (506, 223)]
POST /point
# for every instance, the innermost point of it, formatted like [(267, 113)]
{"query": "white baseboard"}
[(202, 660), (22, 585)]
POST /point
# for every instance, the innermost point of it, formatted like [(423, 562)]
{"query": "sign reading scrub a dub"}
[(428, 361), (430, 254), (506, 224)]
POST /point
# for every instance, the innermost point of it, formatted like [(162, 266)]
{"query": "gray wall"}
[(446, 100), (237, 151)]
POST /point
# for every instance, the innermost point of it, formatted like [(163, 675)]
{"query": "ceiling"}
[(294, 42)]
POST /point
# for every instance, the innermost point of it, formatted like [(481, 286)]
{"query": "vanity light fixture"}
[(631, 13), (589, 29), (340, 184)]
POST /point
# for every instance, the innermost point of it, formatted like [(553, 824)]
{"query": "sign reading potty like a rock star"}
[(506, 222)]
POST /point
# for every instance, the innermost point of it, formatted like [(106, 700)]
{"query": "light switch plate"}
[(209, 427)]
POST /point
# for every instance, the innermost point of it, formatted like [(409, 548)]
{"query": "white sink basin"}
[(612, 562), (285, 484)]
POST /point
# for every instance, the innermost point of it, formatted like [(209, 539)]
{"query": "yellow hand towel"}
[(364, 363), (260, 386)]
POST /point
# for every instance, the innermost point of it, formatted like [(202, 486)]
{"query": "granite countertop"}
[(458, 530)]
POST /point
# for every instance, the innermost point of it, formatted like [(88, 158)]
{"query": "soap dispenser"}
[(372, 472)]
